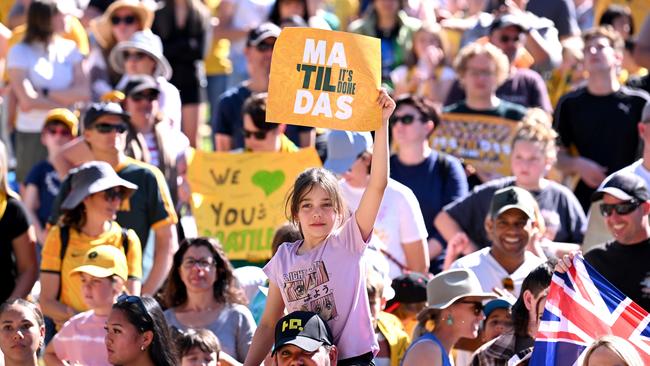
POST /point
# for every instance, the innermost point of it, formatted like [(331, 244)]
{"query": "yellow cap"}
[(114, 96), (104, 261), (64, 116)]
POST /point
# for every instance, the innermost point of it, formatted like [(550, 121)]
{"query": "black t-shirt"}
[(470, 211), (601, 128), (626, 266), (13, 223), (505, 109)]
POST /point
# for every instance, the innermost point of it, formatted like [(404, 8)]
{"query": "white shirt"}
[(491, 274), (399, 219), (48, 67)]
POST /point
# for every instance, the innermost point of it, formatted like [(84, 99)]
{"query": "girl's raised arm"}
[(372, 196), (265, 333)]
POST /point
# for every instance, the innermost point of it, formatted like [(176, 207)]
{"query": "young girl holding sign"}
[(324, 272)]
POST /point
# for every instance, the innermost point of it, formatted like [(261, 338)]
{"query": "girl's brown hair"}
[(305, 183)]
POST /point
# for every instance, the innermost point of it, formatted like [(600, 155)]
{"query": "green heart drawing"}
[(268, 181)]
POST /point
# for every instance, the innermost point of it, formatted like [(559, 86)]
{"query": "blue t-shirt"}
[(433, 184), (47, 182), (230, 121)]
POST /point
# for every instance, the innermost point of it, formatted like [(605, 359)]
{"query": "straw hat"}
[(449, 286), (147, 42), (103, 29)]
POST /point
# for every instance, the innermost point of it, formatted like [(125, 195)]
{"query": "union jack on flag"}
[(581, 307)]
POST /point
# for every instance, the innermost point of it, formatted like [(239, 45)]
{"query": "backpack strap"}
[(64, 236)]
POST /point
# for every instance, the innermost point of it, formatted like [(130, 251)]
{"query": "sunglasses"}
[(61, 131), (406, 119), (478, 306), (113, 194), (128, 20), (125, 299), (621, 208), (136, 56), (259, 135), (263, 47), (108, 128), (149, 97)]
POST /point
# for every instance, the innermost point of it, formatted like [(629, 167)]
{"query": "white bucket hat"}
[(449, 286), (146, 42)]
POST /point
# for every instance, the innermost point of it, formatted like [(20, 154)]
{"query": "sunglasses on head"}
[(478, 306), (113, 194), (108, 128), (125, 299), (58, 130), (135, 55), (128, 20), (149, 97), (623, 208), (259, 135), (406, 119), (263, 46)]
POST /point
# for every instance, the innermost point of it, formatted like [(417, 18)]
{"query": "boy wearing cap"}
[(512, 225), (81, 339), (303, 337), (42, 183)]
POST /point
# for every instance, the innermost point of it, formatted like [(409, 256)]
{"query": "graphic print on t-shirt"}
[(310, 288)]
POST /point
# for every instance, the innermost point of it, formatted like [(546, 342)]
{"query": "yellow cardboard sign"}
[(482, 141), (325, 79), (239, 198)]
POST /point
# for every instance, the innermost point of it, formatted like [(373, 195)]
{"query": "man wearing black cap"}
[(227, 127), (150, 207), (303, 338), (624, 260)]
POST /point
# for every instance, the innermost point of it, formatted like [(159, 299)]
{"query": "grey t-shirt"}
[(470, 211), (234, 327)]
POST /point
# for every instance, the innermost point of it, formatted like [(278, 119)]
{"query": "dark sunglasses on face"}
[(621, 208), (113, 194), (149, 97), (263, 46), (108, 128), (128, 20), (506, 39), (136, 55), (406, 119), (478, 306), (259, 135), (61, 131), (129, 299)]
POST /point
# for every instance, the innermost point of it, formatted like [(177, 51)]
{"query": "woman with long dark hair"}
[(137, 334), (45, 72), (202, 293)]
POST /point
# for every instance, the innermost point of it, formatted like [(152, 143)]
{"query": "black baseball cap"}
[(625, 186), (97, 110), (138, 83), (261, 32), (302, 329), (512, 197), (409, 288)]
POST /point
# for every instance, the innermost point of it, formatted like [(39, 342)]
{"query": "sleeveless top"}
[(432, 338)]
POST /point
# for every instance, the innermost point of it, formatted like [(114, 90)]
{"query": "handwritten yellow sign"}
[(325, 79), (482, 141), (239, 198)]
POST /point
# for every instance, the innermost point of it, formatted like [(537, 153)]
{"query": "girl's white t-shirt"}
[(329, 280), (48, 67)]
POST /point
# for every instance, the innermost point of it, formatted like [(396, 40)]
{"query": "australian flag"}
[(581, 307)]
